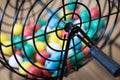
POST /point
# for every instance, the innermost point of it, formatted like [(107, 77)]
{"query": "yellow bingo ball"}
[(60, 42), (40, 45), (7, 50), (59, 33), (3, 38), (25, 65), (17, 29), (66, 12), (53, 38), (38, 64)]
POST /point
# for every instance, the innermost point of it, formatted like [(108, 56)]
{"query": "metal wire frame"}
[(107, 17)]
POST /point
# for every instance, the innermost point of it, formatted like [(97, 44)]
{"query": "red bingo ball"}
[(46, 73), (35, 71), (75, 17), (64, 33), (19, 52), (69, 67), (42, 58), (94, 12), (31, 26), (27, 32), (85, 51)]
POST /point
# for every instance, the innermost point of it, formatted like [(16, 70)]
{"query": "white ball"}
[(69, 53), (12, 61), (77, 22), (30, 41), (47, 30), (53, 45)]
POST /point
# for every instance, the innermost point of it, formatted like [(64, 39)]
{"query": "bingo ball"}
[(40, 45), (30, 40), (32, 27), (76, 42), (52, 47), (3, 38), (18, 42), (94, 12), (13, 62), (64, 33), (18, 52), (77, 22), (97, 24), (17, 30), (53, 38), (46, 73), (25, 59), (91, 33), (42, 22), (7, 50), (25, 66), (75, 17), (42, 56), (27, 32), (70, 6), (84, 15), (39, 64), (85, 51), (66, 12), (49, 14), (53, 23), (40, 34), (78, 59), (51, 65), (28, 50), (35, 71)]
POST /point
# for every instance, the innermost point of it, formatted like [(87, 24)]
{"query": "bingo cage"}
[(50, 39)]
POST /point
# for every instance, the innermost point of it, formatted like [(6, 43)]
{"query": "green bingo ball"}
[(29, 50), (84, 15), (42, 22), (18, 42), (91, 33), (96, 25), (57, 73), (40, 35), (71, 6), (86, 25), (76, 58)]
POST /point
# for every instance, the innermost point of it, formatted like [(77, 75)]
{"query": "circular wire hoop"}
[(69, 57)]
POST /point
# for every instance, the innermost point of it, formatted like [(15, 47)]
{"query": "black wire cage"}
[(51, 39)]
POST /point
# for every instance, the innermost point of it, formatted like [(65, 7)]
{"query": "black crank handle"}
[(112, 66)]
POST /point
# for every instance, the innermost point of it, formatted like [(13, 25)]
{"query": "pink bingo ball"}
[(41, 56), (31, 26)]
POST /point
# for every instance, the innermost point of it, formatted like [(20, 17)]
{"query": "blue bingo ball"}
[(53, 23), (51, 65), (49, 14), (57, 56), (77, 43)]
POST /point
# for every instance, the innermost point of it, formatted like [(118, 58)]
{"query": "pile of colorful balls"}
[(39, 50)]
